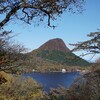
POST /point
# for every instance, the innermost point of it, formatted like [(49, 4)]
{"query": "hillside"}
[(51, 56), (55, 50), (68, 58)]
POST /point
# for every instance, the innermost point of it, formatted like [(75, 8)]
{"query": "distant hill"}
[(51, 56)]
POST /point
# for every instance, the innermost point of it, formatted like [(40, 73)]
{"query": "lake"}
[(54, 79)]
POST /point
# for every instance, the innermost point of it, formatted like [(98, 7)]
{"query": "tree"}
[(27, 10), (92, 46), (9, 52)]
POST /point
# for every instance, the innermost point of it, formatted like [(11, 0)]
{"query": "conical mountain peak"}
[(54, 44)]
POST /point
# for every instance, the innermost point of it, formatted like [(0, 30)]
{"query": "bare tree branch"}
[(30, 9), (9, 51)]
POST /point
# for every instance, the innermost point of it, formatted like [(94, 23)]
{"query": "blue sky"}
[(70, 27)]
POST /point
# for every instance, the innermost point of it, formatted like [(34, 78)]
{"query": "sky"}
[(72, 28)]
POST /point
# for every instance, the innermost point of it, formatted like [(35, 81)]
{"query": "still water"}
[(54, 79)]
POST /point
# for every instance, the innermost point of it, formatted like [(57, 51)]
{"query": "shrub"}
[(19, 88)]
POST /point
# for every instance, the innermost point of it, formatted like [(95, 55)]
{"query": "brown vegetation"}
[(19, 88)]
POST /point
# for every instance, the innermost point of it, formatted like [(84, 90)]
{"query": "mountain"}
[(55, 50), (54, 44), (51, 56)]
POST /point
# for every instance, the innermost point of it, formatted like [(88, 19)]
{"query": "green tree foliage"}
[(37, 10), (63, 58)]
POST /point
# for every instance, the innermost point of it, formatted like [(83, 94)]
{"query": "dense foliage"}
[(19, 88), (63, 58)]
